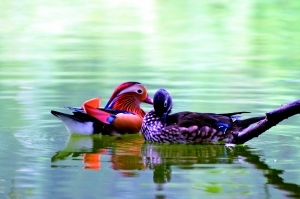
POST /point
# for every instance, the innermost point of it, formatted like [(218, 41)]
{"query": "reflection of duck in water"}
[(124, 152), (162, 159), (155, 154), (193, 127), (122, 113), (129, 154)]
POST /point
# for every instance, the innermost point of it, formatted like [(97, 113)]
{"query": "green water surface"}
[(212, 56)]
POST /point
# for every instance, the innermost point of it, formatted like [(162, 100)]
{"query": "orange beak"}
[(148, 100)]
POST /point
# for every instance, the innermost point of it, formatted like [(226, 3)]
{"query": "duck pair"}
[(123, 114)]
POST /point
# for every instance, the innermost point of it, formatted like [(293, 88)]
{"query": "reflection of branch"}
[(272, 175), (272, 119)]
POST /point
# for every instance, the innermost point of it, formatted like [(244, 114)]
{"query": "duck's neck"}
[(128, 103)]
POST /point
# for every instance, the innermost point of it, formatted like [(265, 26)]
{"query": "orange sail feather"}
[(94, 102), (96, 113)]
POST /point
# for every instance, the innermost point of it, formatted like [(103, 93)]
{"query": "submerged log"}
[(272, 119)]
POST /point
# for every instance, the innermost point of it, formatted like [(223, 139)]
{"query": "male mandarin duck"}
[(190, 127), (122, 113)]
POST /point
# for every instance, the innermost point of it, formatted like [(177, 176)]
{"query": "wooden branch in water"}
[(272, 119)]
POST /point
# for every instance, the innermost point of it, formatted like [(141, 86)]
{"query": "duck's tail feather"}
[(75, 109), (242, 124), (78, 116), (79, 123), (233, 113)]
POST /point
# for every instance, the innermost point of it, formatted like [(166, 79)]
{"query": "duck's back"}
[(221, 122), (187, 119)]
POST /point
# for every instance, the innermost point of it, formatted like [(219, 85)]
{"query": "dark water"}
[(218, 56)]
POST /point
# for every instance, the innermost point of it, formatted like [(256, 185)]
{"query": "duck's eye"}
[(140, 91), (165, 104)]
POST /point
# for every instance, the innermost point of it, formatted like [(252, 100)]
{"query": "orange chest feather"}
[(128, 123)]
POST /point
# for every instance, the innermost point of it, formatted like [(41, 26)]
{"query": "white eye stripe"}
[(135, 88)]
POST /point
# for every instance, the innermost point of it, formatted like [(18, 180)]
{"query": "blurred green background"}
[(212, 56)]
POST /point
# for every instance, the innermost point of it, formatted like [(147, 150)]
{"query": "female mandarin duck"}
[(190, 127), (122, 113)]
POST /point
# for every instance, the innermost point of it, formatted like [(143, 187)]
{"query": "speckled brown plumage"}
[(190, 127)]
